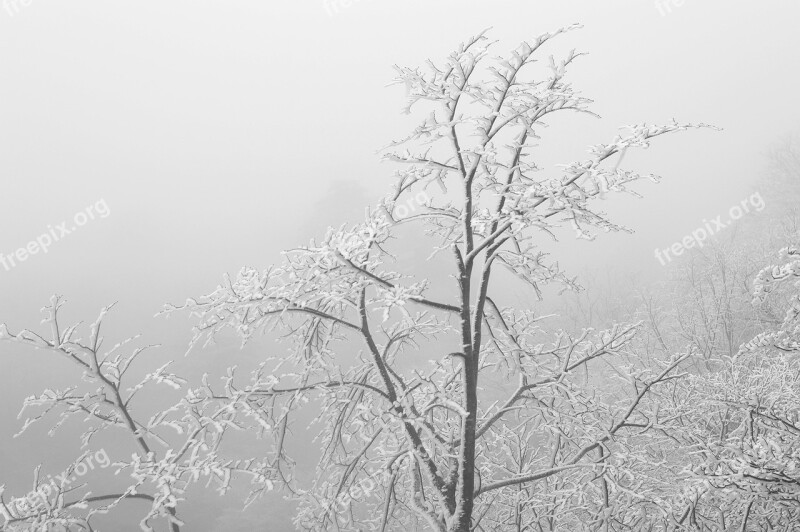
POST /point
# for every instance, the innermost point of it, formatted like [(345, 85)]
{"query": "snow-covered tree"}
[(437, 438), (436, 406), (732, 419), (174, 448), (738, 422)]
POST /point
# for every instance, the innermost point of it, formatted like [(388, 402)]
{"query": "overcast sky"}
[(208, 135)]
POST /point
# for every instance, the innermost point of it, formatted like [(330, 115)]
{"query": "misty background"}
[(220, 133)]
